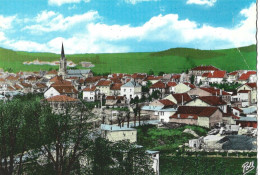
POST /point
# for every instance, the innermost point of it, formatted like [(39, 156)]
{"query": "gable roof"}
[(116, 86), (217, 74), (213, 100), (104, 83), (114, 97), (195, 111), (159, 85), (167, 102), (171, 84), (61, 98), (66, 89), (214, 91), (92, 88), (205, 68), (192, 86), (252, 85), (131, 84), (182, 96), (61, 83), (245, 76), (233, 73)]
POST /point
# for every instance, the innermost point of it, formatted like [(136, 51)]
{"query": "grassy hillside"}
[(172, 60)]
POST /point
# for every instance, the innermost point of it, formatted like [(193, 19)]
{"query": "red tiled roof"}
[(177, 76), (41, 85), (1, 79), (151, 77), (245, 76), (26, 85), (207, 74), (115, 80), (62, 83), (183, 96), (213, 100), (166, 102), (214, 91), (159, 85), (56, 78), (66, 89), (12, 77), (244, 91), (93, 79), (116, 86), (52, 72), (190, 85), (252, 85), (104, 83), (61, 98), (231, 115), (205, 68), (93, 88), (138, 76), (17, 87), (217, 74), (171, 84), (185, 116), (233, 73), (114, 97), (195, 110)]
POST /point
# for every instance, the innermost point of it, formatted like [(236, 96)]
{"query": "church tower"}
[(63, 64)]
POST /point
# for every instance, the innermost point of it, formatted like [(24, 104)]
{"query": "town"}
[(223, 104)]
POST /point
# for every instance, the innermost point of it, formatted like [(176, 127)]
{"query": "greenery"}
[(226, 86), (173, 60), (165, 140), (203, 165), (37, 139)]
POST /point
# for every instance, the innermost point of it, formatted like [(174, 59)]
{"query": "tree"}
[(161, 73), (192, 79), (151, 72), (120, 157), (64, 137)]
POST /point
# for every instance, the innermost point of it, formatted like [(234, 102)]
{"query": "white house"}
[(217, 76), (51, 92), (90, 93), (131, 90)]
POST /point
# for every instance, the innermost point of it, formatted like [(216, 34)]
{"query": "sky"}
[(111, 26)]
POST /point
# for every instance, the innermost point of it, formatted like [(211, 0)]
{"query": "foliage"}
[(226, 86), (119, 158), (155, 95), (161, 73), (192, 78), (151, 72), (202, 165)]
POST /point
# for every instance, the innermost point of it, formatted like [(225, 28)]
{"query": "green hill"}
[(172, 60)]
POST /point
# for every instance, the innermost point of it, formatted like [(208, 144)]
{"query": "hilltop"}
[(172, 60)]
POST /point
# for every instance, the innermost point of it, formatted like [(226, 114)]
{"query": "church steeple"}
[(62, 51), (63, 63)]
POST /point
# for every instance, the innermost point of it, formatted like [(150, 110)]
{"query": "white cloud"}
[(61, 2), (6, 22), (48, 21), (2, 36), (202, 2), (170, 28), (137, 1), (97, 37)]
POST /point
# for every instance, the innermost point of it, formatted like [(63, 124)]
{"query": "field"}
[(179, 162), (173, 60)]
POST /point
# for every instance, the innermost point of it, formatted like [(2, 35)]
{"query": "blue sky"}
[(106, 26)]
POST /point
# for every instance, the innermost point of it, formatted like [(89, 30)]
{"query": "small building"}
[(131, 90), (247, 122), (251, 87), (183, 87), (115, 133), (79, 73), (90, 94), (197, 115)]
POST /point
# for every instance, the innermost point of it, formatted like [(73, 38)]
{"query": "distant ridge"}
[(173, 60)]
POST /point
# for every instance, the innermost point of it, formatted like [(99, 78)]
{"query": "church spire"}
[(62, 51)]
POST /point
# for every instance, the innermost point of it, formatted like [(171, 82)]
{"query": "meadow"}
[(173, 60)]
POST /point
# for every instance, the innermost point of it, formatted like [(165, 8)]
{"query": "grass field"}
[(204, 165), (172, 60)]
